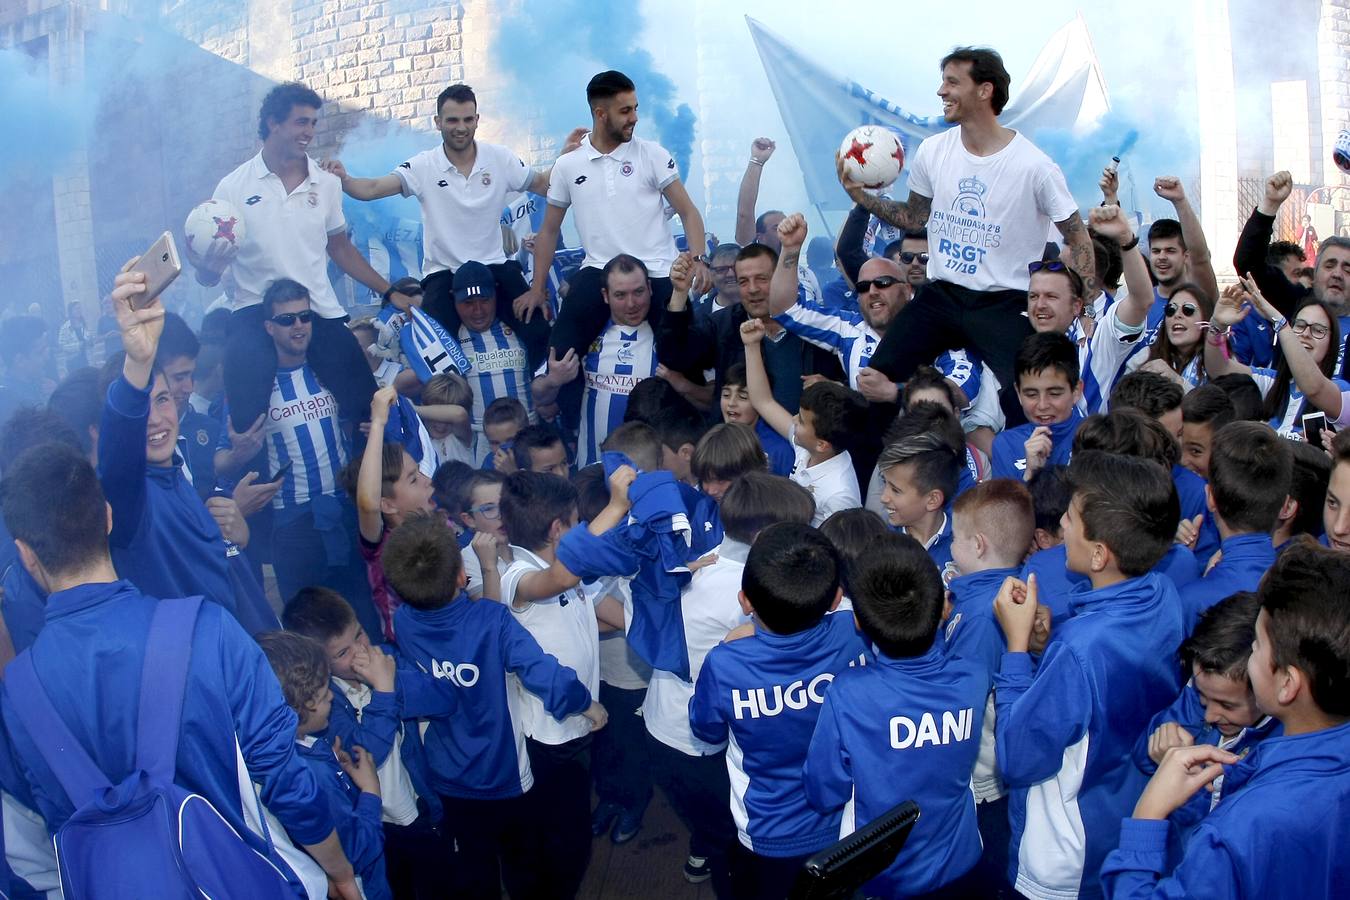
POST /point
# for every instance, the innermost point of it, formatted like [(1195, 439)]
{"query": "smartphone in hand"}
[(161, 266)]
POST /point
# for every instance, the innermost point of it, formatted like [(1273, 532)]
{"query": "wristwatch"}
[(705, 259)]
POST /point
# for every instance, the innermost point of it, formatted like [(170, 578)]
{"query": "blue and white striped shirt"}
[(499, 368), (302, 429), (1103, 357), (620, 358)]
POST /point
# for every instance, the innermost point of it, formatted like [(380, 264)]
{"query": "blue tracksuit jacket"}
[(1065, 731), (357, 815), (904, 729), (1056, 583), (1279, 833), (762, 695), (163, 540), (89, 658), (1191, 495), (1246, 557), (971, 630), (479, 752), (1009, 456)]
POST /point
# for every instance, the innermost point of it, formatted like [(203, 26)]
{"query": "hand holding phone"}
[(1313, 426), (160, 265)]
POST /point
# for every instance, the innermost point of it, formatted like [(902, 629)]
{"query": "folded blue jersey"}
[(356, 815)]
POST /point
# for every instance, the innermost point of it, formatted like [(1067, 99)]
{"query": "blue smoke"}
[(549, 49)]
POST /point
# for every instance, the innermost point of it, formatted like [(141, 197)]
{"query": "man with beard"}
[(1331, 275), (462, 186), (689, 344)]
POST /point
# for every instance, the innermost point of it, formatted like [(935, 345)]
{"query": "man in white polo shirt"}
[(462, 186), (292, 212), (618, 185)]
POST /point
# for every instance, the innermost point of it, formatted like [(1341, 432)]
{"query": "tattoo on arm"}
[(1081, 255), (911, 215), (789, 259)]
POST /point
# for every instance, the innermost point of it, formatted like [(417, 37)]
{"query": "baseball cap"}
[(474, 280)]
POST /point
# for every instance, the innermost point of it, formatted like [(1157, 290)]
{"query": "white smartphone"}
[(161, 266)]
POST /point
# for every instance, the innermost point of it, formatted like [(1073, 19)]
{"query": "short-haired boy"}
[(1066, 727), (347, 777), (477, 759), (738, 410), (1308, 478), (1336, 509), (992, 527), (765, 691), (539, 448), (544, 596), (1203, 412), (1284, 822), (1250, 468), (920, 475), (1216, 706), (503, 419), (366, 711), (1049, 388), (827, 423), (904, 727)]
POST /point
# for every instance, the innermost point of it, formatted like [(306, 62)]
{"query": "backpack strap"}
[(163, 684), (79, 776)]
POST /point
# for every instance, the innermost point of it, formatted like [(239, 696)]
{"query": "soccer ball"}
[(214, 220), (873, 155)]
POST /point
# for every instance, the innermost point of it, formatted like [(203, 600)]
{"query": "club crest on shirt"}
[(970, 197), (487, 179), (595, 346), (313, 199), (626, 169), (202, 437)]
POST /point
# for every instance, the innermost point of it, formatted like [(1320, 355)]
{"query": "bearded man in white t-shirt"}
[(988, 197)]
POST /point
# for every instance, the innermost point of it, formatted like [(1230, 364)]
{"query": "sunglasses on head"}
[(906, 257), (1046, 265), (1187, 309), (881, 282), (286, 320)]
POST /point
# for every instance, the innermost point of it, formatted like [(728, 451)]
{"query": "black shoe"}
[(627, 825), (697, 870), (604, 814)]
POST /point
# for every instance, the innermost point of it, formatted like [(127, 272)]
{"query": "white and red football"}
[(873, 155)]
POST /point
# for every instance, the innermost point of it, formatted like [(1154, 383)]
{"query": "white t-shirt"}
[(618, 201), (286, 234), (565, 628), (833, 483), (710, 610), (461, 211), (473, 572), (991, 214)]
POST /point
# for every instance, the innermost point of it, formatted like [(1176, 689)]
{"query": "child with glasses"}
[(1304, 379), (482, 514)]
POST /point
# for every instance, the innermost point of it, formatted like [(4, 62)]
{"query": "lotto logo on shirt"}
[(961, 234), (310, 409)]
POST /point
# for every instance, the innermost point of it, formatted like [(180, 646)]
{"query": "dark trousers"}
[(756, 877), (417, 861), (438, 301), (251, 367), (581, 320), (561, 798), (621, 768), (699, 791), (945, 316), (495, 842), (301, 560), (996, 833)]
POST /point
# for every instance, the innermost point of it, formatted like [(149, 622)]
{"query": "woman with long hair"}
[(1177, 351), (1304, 378)]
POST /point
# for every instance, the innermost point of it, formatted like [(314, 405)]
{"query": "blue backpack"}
[(144, 837)]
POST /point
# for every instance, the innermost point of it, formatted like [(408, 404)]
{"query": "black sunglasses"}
[(286, 320), (881, 282), (906, 257), (1187, 309)]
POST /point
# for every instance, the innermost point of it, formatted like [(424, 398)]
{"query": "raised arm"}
[(1197, 248), (757, 380), (363, 188), (692, 221), (1078, 243), (1249, 257), (849, 248), (783, 289), (910, 215), (1318, 389), (1230, 309), (1111, 222), (370, 476), (760, 151)]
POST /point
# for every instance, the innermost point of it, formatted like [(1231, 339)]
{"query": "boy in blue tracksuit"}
[(91, 650), (477, 760), (1048, 387), (993, 525), (1281, 829), (1066, 727), (764, 693), (372, 696), (919, 477), (904, 727), (1216, 706), (1250, 472), (347, 777)]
